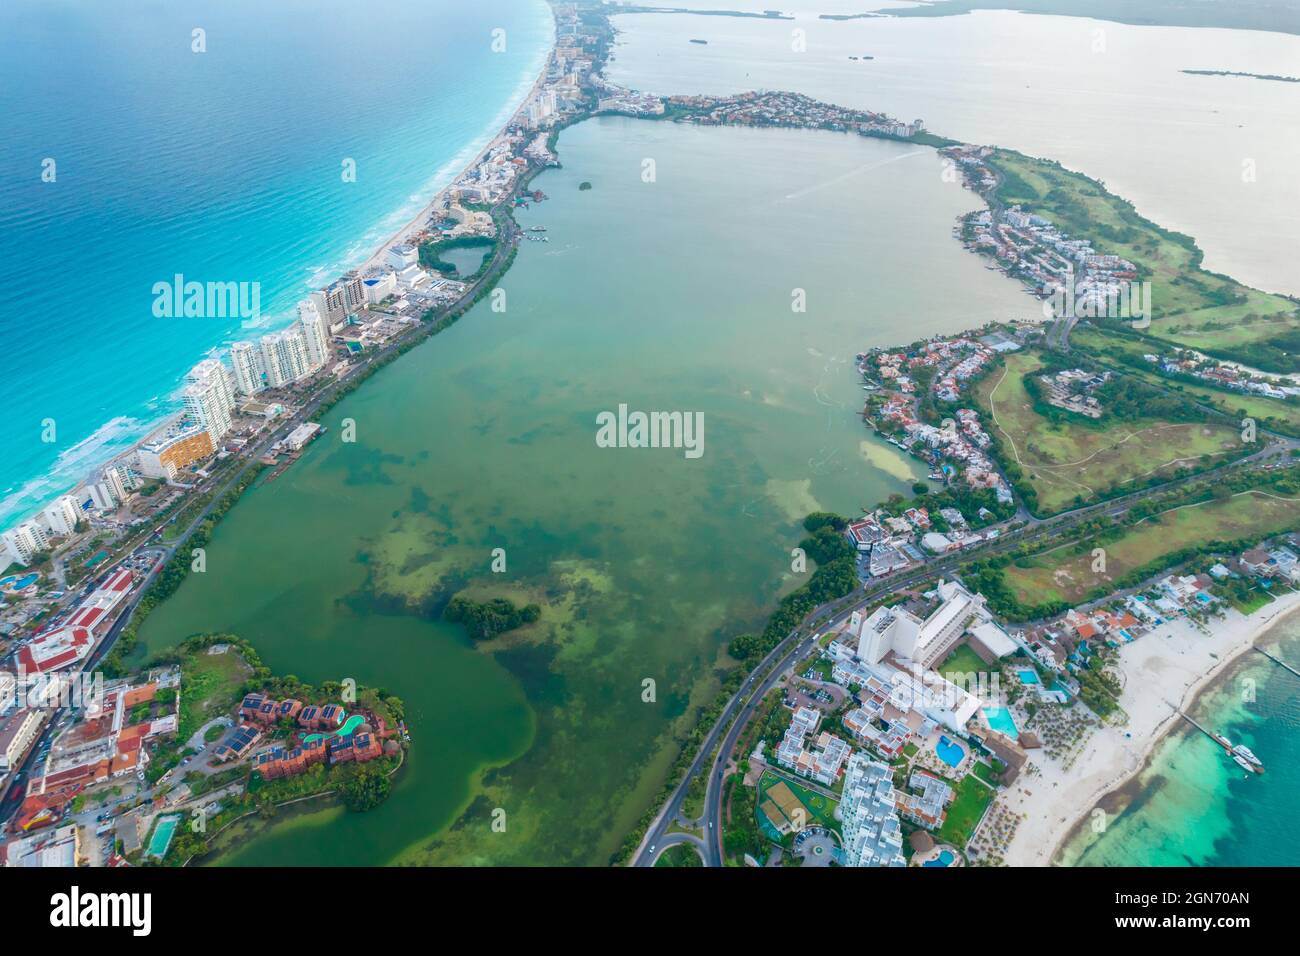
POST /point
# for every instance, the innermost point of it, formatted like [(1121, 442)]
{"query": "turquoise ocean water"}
[(224, 165)]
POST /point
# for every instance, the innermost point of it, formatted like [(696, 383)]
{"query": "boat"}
[(1246, 765), (536, 228), (1245, 753)]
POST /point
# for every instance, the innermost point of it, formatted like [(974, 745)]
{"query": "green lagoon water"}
[(668, 295), (1191, 805)]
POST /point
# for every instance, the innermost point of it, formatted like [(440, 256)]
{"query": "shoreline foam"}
[(27, 496)]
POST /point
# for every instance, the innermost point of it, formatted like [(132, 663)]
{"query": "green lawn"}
[(682, 854), (1064, 575), (1083, 459), (210, 686), (963, 661), (965, 811)]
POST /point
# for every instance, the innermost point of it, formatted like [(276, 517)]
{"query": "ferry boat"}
[(536, 228)]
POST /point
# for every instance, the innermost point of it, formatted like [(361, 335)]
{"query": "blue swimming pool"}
[(950, 753), (945, 858), (162, 836), (999, 718), (1028, 676), (18, 583)]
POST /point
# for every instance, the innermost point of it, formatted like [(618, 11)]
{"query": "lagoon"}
[(669, 295)]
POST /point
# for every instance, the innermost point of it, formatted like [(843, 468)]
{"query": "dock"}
[(1280, 663), (1213, 736)]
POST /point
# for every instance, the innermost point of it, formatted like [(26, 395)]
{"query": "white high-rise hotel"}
[(61, 515), (315, 335), (284, 356), (210, 398), (247, 361), (24, 541)]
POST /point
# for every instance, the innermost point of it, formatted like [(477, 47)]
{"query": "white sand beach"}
[(1162, 670), (420, 222)]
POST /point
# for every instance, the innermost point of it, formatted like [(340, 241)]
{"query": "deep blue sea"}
[(223, 165)]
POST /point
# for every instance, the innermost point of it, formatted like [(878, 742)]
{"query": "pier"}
[(1213, 736), (1279, 662)]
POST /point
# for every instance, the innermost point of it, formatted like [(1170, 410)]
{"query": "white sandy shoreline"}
[(1164, 671), (419, 221)]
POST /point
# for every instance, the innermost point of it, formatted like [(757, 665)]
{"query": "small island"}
[(485, 620), (1254, 76)]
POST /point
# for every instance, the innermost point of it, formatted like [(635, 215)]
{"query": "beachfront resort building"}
[(210, 399), (246, 358), (173, 449), (872, 834), (284, 357), (24, 542), (61, 515), (340, 299), (925, 642), (315, 335)]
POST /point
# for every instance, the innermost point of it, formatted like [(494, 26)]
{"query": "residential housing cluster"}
[(776, 108)]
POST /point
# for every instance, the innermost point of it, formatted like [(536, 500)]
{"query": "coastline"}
[(420, 220), (1110, 761), (107, 451)]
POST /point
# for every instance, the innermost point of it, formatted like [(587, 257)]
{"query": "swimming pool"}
[(999, 718), (1028, 676), (349, 725), (945, 858), (16, 583), (950, 753), (162, 836)]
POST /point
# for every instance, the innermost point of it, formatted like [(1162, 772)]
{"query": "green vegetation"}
[(963, 662), (820, 810), (1232, 514), (362, 787), (1191, 307), (1126, 351), (1066, 573), (488, 619), (1098, 688), (1059, 464), (682, 854), (740, 832), (965, 812)]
